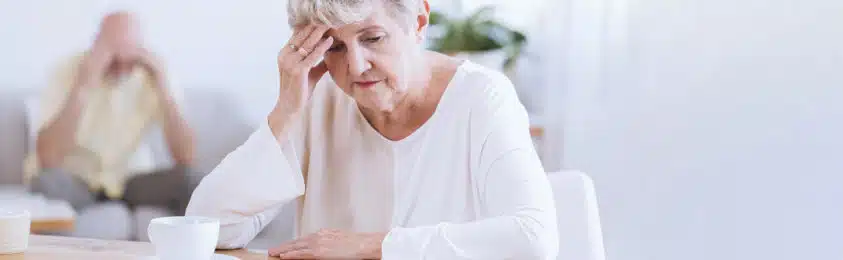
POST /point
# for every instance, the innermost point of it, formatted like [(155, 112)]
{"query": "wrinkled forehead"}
[(374, 22)]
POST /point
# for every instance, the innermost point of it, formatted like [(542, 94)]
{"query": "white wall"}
[(716, 136), (715, 128), (207, 44)]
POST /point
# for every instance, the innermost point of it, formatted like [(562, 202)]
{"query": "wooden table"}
[(51, 225), (67, 248), (536, 131)]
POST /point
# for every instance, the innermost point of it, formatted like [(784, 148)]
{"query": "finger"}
[(315, 37), (305, 253), (299, 36), (287, 247), (317, 72), (318, 53), (289, 54)]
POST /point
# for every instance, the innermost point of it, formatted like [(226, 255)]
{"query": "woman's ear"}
[(422, 21)]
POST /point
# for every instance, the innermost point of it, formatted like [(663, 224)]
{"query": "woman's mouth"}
[(366, 84)]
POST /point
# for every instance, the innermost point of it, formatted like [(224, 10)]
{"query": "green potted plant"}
[(477, 37)]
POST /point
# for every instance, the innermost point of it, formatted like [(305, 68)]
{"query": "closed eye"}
[(374, 39)]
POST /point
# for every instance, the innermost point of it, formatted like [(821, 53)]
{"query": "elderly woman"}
[(406, 154)]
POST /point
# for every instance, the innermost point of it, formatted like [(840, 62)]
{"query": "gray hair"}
[(341, 12)]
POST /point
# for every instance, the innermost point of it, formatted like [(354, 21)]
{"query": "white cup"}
[(14, 230), (184, 238)]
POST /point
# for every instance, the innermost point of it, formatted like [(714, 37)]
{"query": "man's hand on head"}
[(153, 65), (148, 60), (94, 66)]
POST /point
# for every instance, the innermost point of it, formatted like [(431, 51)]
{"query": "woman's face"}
[(373, 60)]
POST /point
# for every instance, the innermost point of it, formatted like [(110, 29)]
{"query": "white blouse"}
[(468, 184)]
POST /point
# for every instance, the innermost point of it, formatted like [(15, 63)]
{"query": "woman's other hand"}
[(299, 68), (332, 244)]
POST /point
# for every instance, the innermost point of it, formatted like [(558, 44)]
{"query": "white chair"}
[(580, 235)]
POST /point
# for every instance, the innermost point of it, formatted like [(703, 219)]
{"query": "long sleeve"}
[(523, 226), (248, 188), (517, 201)]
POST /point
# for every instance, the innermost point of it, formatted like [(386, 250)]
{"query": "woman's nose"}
[(357, 61)]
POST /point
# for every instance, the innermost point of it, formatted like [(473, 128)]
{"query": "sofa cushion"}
[(219, 122), (142, 216), (107, 220), (13, 132)]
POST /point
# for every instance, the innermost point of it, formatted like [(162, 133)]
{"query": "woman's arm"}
[(248, 188), (520, 220), (253, 182), (522, 223)]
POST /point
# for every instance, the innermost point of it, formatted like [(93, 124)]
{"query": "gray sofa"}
[(219, 120)]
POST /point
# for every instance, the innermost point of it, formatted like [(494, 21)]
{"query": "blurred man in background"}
[(111, 137)]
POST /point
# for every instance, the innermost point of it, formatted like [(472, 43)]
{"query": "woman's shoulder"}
[(486, 88), (481, 74)]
